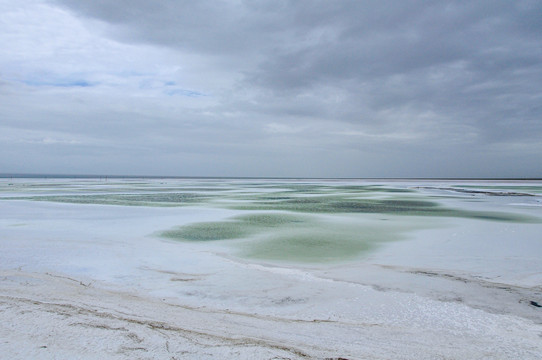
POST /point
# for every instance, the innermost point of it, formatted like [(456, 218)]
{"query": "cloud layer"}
[(272, 88)]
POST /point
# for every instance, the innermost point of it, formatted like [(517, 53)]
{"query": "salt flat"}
[(176, 268)]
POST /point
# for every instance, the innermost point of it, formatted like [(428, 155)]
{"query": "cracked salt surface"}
[(81, 280)]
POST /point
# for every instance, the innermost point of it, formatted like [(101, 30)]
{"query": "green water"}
[(512, 188), (282, 220), (153, 199), (397, 206), (299, 238), (319, 243), (236, 227), (324, 198)]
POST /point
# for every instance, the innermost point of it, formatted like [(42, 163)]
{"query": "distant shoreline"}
[(98, 176)]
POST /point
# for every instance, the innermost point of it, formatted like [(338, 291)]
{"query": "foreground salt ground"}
[(87, 281), (46, 316)]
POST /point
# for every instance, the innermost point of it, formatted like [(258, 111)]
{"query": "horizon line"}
[(100, 176)]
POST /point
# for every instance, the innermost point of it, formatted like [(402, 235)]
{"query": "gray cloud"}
[(279, 88)]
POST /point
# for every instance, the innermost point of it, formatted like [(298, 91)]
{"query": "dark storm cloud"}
[(479, 61), (336, 39), (406, 88)]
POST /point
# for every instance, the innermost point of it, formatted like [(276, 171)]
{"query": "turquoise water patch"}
[(209, 231), (298, 238), (533, 188), (397, 206), (293, 197), (272, 219), (234, 228), (154, 199), (314, 245), (369, 188)]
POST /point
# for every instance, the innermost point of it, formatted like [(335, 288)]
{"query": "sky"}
[(271, 88)]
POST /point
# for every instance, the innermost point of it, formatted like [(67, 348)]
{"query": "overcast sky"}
[(271, 88)]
